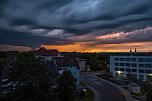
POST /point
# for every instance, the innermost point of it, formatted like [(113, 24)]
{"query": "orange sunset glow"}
[(81, 47)]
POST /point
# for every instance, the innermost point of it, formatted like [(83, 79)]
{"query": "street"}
[(107, 91)]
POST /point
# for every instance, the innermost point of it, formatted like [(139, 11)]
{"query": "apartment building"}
[(136, 67)]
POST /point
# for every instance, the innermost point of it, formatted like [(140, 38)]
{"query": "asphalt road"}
[(107, 91)]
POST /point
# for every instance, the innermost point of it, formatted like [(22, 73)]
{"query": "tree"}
[(92, 61), (67, 88), (31, 78), (2, 63)]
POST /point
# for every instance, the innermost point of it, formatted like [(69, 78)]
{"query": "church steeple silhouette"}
[(130, 51)]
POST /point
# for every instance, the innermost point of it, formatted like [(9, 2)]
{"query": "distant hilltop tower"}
[(130, 51), (133, 52)]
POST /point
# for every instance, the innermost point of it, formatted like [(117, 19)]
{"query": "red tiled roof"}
[(43, 52)]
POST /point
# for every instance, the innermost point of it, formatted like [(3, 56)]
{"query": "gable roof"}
[(65, 62), (51, 68), (44, 52)]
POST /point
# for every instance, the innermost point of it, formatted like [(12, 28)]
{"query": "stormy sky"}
[(76, 25)]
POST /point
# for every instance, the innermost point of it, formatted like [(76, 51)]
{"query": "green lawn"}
[(89, 95), (2, 95)]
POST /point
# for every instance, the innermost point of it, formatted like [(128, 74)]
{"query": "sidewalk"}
[(125, 92)]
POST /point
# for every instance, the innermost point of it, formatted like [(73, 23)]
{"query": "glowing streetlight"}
[(119, 72)]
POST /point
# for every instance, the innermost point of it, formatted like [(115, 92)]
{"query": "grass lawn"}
[(89, 95), (2, 95)]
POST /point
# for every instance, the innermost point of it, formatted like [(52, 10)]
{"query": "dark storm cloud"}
[(17, 22), (36, 22), (26, 39)]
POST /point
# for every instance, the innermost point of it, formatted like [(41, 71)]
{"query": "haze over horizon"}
[(76, 25)]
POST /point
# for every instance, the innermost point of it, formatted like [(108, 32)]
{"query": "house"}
[(47, 54), (52, 71), (68, 63), (82, 64), (59, 62)]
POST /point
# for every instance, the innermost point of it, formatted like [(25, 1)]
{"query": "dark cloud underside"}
[(33, 23)]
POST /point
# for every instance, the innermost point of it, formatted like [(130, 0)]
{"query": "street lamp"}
[(119, 72)]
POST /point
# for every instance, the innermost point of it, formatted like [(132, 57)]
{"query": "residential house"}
[(82, 64), (47, 54), (68, 63), (59, 62)]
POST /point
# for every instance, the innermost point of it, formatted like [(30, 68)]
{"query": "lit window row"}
[(134, 59), (133, 65), (125, 59)]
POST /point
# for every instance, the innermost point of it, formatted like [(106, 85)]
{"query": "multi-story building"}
[(136, 67)]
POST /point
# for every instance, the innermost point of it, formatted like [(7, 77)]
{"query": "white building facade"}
[(74, 71), (82, 64), (138, 67)]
